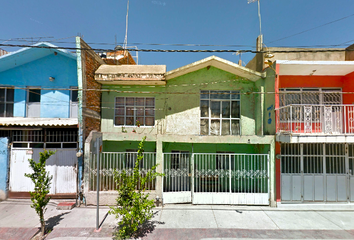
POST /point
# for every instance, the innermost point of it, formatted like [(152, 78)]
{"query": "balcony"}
[(313, 120)]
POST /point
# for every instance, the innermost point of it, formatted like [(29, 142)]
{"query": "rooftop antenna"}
[(126, 29), (259, 14)]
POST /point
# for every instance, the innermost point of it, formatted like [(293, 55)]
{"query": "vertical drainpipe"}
[(80, 119)]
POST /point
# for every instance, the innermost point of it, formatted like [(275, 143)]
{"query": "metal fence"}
[(233, 173), (177, 172), (216, 173), (316, 119), (118, 161)]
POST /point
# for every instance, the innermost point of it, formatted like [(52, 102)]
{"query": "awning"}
[(38, 122)]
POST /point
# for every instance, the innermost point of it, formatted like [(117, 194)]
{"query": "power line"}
[(181, 44), (340, 19), (184, 50)]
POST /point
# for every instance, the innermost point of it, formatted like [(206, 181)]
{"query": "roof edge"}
[(49, 45), (217, 62)]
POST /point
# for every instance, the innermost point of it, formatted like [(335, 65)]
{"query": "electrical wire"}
[(184, 50), (325, 24)]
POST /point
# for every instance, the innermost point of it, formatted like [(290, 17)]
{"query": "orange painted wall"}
[(344, 82), (310, 81), (348, 87)]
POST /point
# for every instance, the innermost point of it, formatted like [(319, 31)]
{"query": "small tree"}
[(133, 204), (41, 179)]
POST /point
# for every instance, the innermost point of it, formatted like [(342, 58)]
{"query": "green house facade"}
[(204, 127)]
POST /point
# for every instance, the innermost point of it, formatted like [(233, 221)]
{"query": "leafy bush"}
[(133, 204)]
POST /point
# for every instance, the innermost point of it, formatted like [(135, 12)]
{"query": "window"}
[(220, 113), (34, 95), (74, 95), (310, 96), (134, 111), (6, 102), (73, 102), (34, 102)]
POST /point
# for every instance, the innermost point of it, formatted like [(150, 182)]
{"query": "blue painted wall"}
[(4, 161), (54, 103)]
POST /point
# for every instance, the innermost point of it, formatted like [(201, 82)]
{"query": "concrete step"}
[(66, 205)]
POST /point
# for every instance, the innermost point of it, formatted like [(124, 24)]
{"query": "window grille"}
[(220, 113), (6, 102), (134, 111)]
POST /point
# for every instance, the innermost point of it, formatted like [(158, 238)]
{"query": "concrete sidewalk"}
[(185, 221)]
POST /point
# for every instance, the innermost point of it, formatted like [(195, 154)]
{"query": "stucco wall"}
[(269, 103), (4, 161), (177, 104), (36, 74), (305, 54)]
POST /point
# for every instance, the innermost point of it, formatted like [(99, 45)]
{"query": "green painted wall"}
[(108, 105), (177, 103), (269, 108), (122, 146), (213, 148)]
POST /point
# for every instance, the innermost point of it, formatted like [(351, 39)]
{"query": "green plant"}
[(133, 204), (41, 179)]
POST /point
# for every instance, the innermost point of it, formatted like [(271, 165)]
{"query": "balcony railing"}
[(316, 119)]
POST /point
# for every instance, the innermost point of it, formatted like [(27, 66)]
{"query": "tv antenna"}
[(259, 14), (126, 29)]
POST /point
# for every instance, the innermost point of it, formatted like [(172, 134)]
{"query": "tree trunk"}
[(42, 223), (42, 228)]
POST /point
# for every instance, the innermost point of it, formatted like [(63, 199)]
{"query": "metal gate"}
[(62, 165), (317, 172), (118, 161), (205, 178)]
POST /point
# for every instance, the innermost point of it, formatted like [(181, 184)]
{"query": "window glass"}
[(74, 95), (204, 108), (225, 109), (6, 102), (215, 109), (2, 109), (34, 95), (2, 95)]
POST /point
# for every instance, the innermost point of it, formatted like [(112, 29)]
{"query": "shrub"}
[(41, 179), (133, 204)]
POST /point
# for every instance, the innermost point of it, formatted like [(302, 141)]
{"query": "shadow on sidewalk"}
[(143, 230), (55, 220)]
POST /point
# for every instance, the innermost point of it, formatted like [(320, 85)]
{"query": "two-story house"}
[(314, 131), (203, 123), (39, 110)]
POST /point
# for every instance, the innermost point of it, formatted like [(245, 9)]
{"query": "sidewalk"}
[(185, 221)]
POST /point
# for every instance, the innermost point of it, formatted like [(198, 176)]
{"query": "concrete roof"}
[(315, 68), (131, 74), (218, 63), (19, 121), (29, 54), (131, 69)]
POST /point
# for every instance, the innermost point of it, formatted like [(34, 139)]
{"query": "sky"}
[(226, 24)]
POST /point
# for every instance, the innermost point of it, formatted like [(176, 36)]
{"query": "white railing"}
[(118, 161), (316, 119)]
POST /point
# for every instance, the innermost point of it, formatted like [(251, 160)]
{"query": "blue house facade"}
[(39, 110)]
